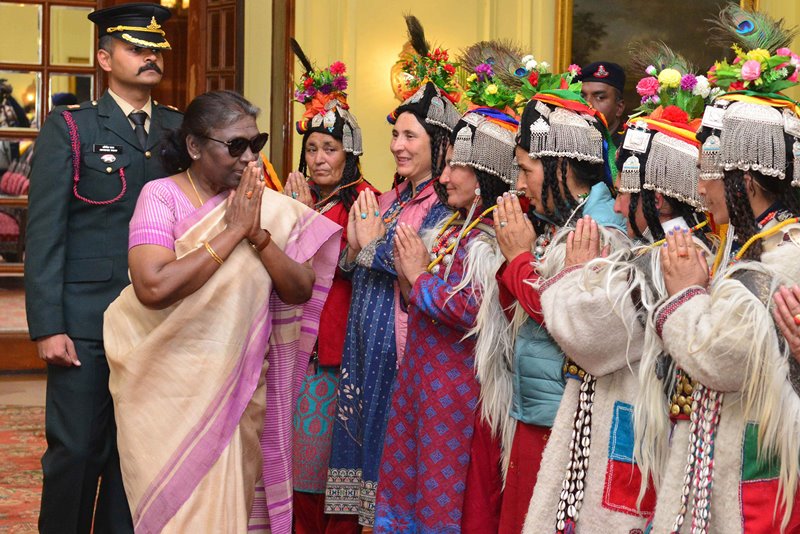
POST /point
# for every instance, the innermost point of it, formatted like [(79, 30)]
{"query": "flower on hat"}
[(751, 70), (651, 70), (669, 78), (675, 114), (491, 89), (330, 82), (533, 78), (759, 54), (337, 67), (647, 86), (688, 81), (435, 67), (702, 87), (574, 69)]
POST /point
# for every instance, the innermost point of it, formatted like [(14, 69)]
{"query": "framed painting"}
[(605, 30)]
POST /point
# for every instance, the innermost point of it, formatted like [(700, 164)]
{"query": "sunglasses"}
[(238, 145)]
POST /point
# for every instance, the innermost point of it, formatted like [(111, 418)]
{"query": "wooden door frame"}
[(281, 80)]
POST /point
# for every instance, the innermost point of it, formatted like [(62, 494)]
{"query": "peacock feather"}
[(659, 55), (749, 30), (504, 57)]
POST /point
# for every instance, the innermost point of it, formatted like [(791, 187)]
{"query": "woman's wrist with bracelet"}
[(263, 243)]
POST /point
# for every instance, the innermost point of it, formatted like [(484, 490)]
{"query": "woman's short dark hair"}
[(209, 111)]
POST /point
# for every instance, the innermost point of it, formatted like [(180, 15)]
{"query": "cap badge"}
[(154, 25), (601, 72)]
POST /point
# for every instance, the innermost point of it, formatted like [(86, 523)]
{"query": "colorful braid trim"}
[(663, 314)]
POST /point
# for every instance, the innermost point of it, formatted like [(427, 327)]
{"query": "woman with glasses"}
[(228, 278)]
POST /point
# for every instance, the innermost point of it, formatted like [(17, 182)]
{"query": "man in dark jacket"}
[(90, 163)]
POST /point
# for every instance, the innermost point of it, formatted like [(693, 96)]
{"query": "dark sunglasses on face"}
[(238, 145)]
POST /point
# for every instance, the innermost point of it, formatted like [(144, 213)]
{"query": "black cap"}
[(138, 24), (604, 72)]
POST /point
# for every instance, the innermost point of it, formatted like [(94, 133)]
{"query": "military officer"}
[(90, 163), (603, 87)]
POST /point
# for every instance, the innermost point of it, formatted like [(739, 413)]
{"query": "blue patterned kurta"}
[(369, 365)]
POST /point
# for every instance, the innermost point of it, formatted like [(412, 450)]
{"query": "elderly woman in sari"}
[(221, 268)]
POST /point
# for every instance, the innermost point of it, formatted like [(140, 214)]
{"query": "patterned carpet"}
[(21, 446)]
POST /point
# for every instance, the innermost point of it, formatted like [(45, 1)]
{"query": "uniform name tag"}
[(107, 149)]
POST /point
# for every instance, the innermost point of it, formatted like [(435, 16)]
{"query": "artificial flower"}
[(688, 81), (702, 87), (751, 70), (544, 65), (651, 70), (675, 114), (759, 54), (783, 52), (531, 64), (669, 78), (340, 83), (472, 77), (337, 67), (647, 86), (574, 69), (533, 78), (449, 68), (484, 71), (491, 89), (527, 58)]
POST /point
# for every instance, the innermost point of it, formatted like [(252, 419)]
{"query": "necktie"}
[(138, 118)]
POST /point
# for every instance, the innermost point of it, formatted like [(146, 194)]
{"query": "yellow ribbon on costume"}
[(681, 132), (764, 101), (464, 232)]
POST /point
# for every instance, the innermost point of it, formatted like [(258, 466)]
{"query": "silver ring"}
[(503, 224)]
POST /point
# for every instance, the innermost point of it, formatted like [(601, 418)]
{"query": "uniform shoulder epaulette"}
[(167, 106), (77, 107)]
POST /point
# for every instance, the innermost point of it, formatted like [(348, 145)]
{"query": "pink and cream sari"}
[(204, 390)]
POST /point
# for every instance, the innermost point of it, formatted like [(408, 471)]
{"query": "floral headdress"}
[(659, 150), (321, 91), (426, 65), (484, 137), (430, 88), (750, 132), (537, 77)]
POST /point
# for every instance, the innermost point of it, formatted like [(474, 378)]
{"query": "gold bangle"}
[(213, 254)]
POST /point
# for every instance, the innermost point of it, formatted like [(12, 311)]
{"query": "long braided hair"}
[(350, 174), (740, 213), (647, 198), (563, 199)]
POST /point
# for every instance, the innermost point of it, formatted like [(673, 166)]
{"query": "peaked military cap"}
[(137, 23)]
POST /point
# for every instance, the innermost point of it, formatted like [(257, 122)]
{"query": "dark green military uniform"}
[(76, 265)]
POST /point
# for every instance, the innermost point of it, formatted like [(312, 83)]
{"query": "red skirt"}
[(484, 492), (310, 517), (526, 455)]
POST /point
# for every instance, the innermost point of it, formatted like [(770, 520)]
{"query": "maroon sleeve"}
[(515, 278)]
